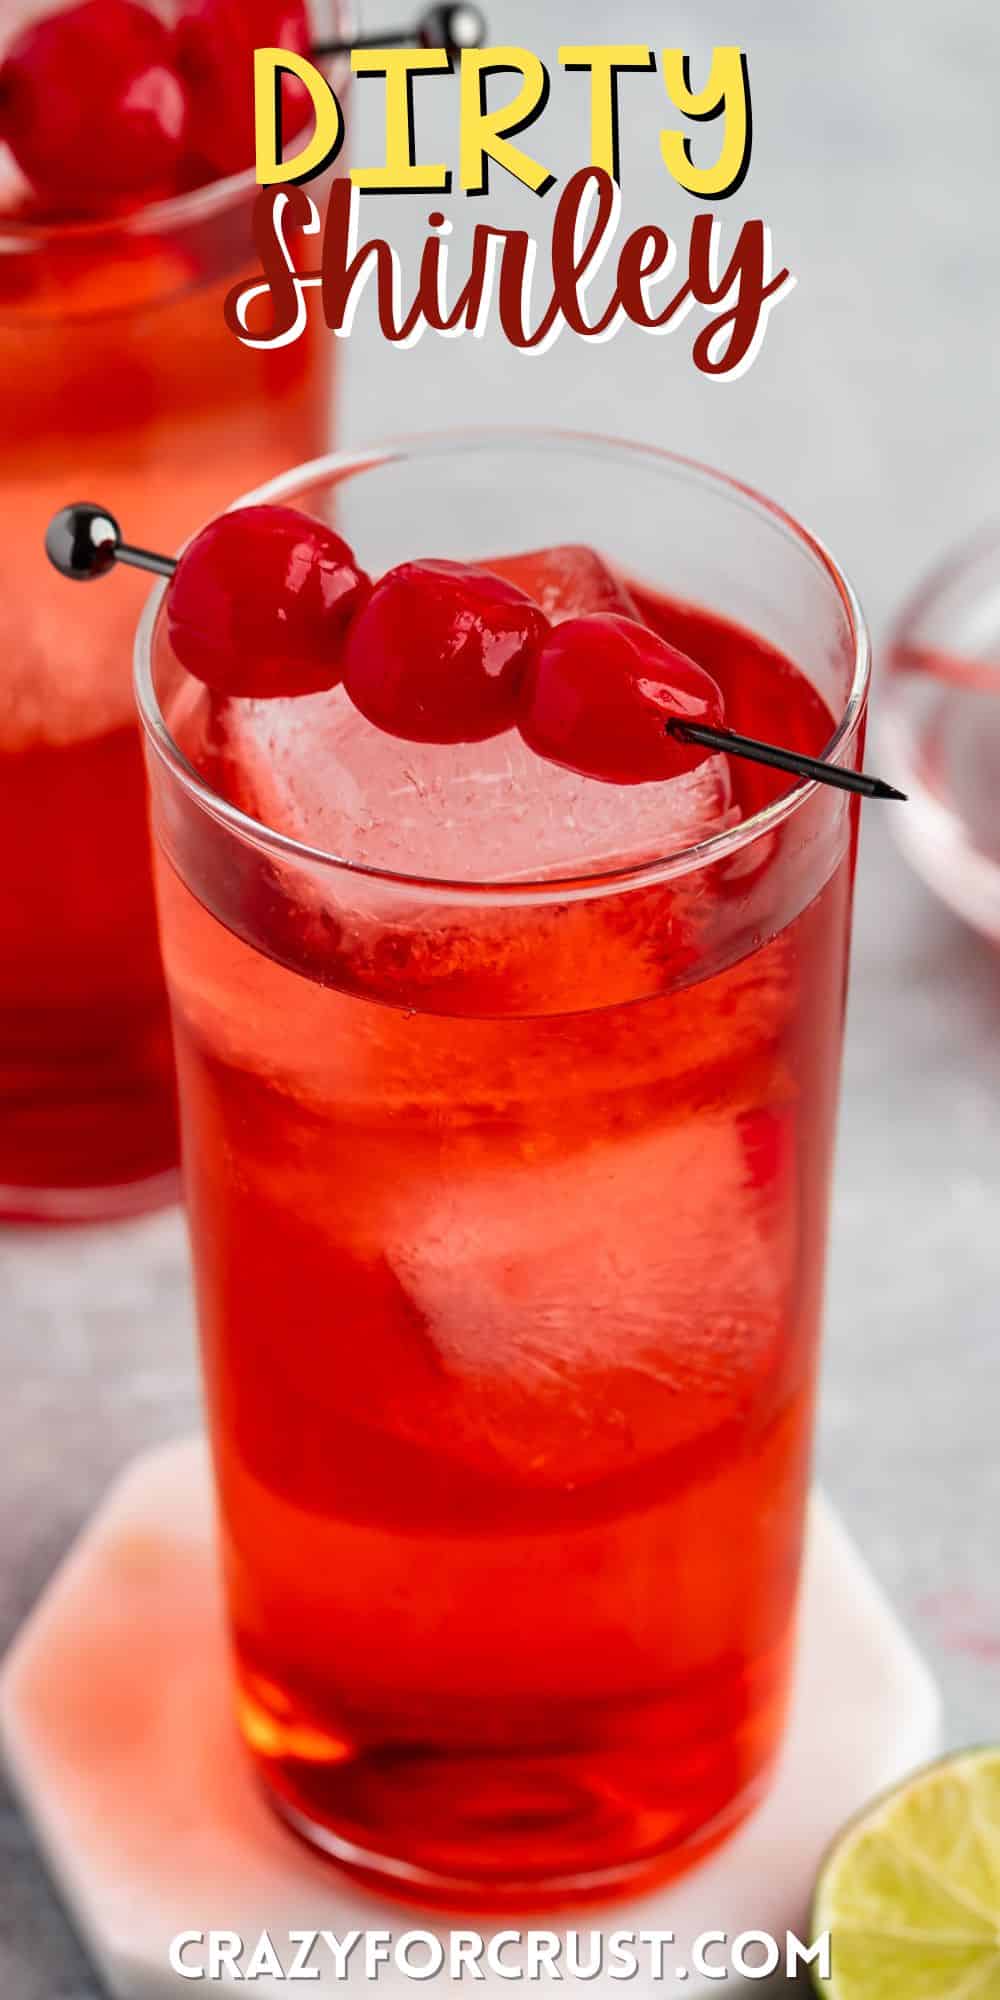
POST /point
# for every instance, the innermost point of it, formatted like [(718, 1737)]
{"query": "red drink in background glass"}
[(507, 1139), (120, 383)]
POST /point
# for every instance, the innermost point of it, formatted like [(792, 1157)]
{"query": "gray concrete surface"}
[(871, 412)]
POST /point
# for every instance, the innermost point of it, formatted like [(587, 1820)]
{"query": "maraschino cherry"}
[(260, 602), (92, 106), (216, 40), (103, 104), (599, 694), (439, 652)]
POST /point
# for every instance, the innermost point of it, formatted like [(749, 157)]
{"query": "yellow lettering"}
[(725, 95), (486, 134), (401, 171), (606, 64), (328, 136)]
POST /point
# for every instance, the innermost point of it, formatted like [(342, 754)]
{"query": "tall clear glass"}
[(508, 1201), (119, 383)]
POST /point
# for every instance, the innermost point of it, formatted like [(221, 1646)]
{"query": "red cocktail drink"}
[(507, 1103), (117, 377)]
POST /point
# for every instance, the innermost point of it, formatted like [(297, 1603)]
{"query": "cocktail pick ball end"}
[(454, 28), (81, 541)]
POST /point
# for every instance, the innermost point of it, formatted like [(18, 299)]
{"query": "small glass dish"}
[(941, 730)]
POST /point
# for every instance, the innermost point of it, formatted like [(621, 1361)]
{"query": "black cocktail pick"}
[(84, 541), (783, 760), (451, 28)]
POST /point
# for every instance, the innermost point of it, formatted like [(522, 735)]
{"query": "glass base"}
[(69, 1206), (495, 1892)]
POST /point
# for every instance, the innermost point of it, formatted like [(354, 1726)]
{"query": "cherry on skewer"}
[(215, 44), (260, 602), (84, 542), (440, 651), (164, 108), (599, 692), (59, 128)]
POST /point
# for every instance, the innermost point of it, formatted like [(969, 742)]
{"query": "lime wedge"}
[(910, 1893)]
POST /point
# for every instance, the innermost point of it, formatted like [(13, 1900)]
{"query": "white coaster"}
[(115, 1722)]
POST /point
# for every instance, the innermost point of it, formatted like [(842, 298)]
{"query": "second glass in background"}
[(119, 383), (941, 724)]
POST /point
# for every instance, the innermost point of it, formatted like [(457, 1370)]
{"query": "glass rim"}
[(151, 218), (580, 882)]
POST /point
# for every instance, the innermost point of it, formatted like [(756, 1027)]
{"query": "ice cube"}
[(567, 582), (601, 1308), (316, 770), (313, 768), (549, 1317)]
